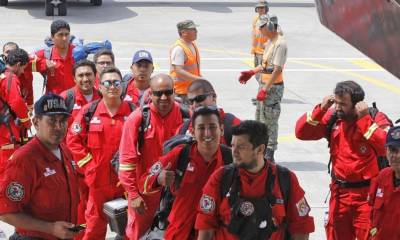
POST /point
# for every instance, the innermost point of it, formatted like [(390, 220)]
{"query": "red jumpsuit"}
[(62, 78), (253, 186), (133, 94), (40, 185), (93, 147), (354, 147), (184, 209), (134, 163), (384, 198), (222, 114), (11, 95)]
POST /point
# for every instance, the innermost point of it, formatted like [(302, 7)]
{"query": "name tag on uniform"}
[(49, 172)]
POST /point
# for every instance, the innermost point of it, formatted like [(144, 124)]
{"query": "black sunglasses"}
[(199, 98), (167, 93), (109, 83)]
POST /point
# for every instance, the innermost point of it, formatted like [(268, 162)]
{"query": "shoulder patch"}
[(302, 207), (156, 168), (15, 191), (76, 128), (207, 204)]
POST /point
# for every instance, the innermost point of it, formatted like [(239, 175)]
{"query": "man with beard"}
[(39, 190), (384, 194), (356, 139), (244, 200), (94, 142), (141, 146)]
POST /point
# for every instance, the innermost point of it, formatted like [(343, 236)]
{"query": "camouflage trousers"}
[(270, 110), (258, 61)]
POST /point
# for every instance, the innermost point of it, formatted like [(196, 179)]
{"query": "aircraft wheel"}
[(49, 8), (3, 2), (97, 2), (62, 9)]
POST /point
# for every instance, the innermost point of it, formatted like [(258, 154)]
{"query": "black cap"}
[(51, 104), (393, 137)]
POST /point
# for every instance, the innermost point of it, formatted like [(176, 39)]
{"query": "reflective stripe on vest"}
[(192, 65)]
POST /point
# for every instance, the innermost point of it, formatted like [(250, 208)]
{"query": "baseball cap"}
[(262, 3), (142, 55), (187, 24), (51, 104), (393, 137)]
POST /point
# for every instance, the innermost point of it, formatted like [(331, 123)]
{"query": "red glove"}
[(262, 94), (245, 76)]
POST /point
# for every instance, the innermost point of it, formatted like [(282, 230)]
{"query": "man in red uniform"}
[(102, 58), (203, 158), (251, 203), (139, 150), (84, 92), (384, 194), (35, 64), (202, 93), (39, 190), (14, 119), (93, 144), (61, 54), (138, 87), (356, 139)]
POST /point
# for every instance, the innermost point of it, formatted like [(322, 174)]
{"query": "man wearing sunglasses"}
[(202, 93), (94, 145), (139, 150), (202, 158), (185, 59), (138, 86), (102, 58)]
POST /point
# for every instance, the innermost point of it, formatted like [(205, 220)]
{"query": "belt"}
[(346, 184), (277, 84)]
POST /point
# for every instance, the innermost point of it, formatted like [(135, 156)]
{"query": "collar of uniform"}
[(48, 155), (81, 96), (249, 175), (102, 109), (56, 56), (217, 156)]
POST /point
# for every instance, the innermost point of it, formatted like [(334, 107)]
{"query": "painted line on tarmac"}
[(250, 61), (365, 64), (285, 70), (287, 138), (371, 80)]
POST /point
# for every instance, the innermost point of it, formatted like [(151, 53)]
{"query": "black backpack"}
[(228, 121), (284, 185), (167, 198), (70, 100), (373, 111)]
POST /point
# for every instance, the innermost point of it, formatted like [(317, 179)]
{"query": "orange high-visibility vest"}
[(258, 38), (267, 62), (191, 65)]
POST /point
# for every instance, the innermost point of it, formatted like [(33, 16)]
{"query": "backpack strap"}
[(144, 124), (228, 175), (226, 154), (284, 185), (47, 55), (183, 162), (184, 111), (131, 106), (185, 126), (70, 100), (90, 112), (228, 121)]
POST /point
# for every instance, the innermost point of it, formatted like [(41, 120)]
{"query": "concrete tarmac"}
[(318, 59)]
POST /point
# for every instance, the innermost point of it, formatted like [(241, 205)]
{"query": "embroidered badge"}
[(263, 224), (15, 191), (363, 149), (156, 168), (246, 208), (76, 128), (95, 120), (76, 107), (302, 207), (207, 204), (49, 172), (190, 167), (379, 193)]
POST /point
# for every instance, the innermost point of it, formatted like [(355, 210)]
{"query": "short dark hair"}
[(82, 63), (57, 25), (257, 132), (202, 84), (104, 51), (352, 88), (204, 111), (18, 55), (110, 69), (10, 44)]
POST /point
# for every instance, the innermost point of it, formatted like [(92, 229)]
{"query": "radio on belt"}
[(116, 212)]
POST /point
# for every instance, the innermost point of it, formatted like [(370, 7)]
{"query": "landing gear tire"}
[(3, 2), (49, 8), (62, 8), (97, 2)]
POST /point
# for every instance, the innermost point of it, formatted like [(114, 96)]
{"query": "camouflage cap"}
[(187, 24), (264, 19), (262, 3)]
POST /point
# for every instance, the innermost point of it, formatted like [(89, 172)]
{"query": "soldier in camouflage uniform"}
[(272, 87)]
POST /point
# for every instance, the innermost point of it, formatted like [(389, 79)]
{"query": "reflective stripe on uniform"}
[(34, 64), (310, 120), (8, 147), (370, 131), (25, 119), (127, 167), (85, 160), (145, 186)]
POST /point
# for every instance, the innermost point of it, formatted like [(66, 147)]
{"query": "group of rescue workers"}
[(101, 136)]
